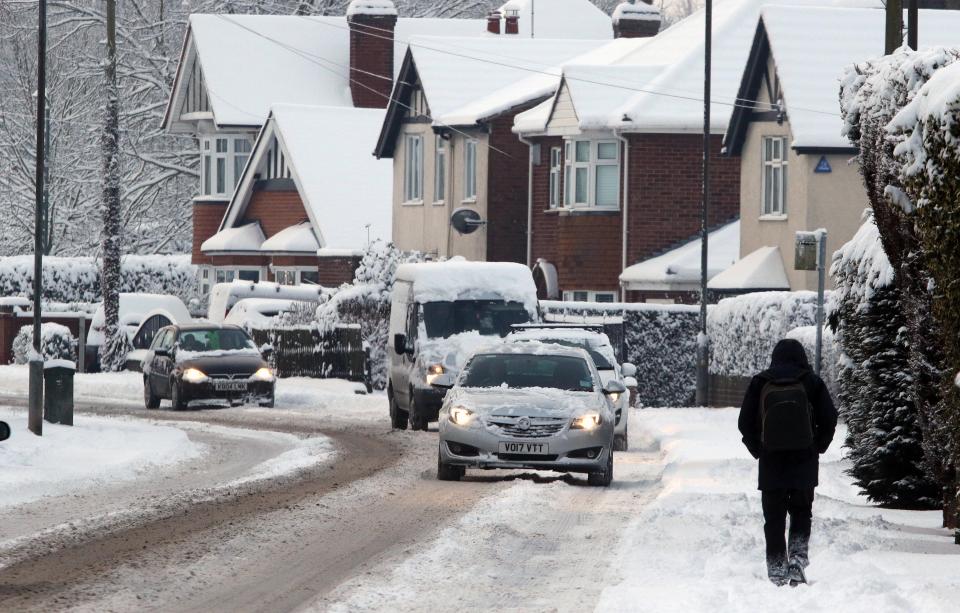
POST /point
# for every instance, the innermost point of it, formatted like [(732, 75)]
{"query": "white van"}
[(440, 313)]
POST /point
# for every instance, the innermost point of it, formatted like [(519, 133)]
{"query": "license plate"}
[(524, 448), (230, 386)]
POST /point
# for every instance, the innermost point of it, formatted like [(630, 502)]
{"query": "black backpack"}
[(786, 417)]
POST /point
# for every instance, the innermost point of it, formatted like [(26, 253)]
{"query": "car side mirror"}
[(161, 353), (444, 381), (400, 344), (4, 431), (266, 352), (614, 387), (628, 369)]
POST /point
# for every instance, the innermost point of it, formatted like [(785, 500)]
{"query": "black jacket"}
[(789, 469)]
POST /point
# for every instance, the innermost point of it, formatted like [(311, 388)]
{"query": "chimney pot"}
[(493, 22), (512, 25), (635, 20)]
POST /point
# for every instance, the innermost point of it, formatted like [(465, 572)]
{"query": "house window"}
[(309, 277), (589, 296), (592, 173), (470, 170), (413, 168), (440, 171), (285, 276), (296, 276), (227, 275), (222, 163), (774, 175), (555, 170)]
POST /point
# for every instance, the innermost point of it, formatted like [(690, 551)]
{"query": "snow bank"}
[(96, 451), (699, 545)]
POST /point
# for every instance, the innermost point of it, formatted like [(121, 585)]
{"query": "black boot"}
[(777, 571)]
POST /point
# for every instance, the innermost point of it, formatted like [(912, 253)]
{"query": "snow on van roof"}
[(458, 279)]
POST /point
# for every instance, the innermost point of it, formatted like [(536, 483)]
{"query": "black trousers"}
[(777, 504)]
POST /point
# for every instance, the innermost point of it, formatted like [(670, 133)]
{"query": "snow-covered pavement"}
[(699, 545)]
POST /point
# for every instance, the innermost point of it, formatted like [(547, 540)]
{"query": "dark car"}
[(205, 362)]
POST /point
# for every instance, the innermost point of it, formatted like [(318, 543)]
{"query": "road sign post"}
[(811, 254)]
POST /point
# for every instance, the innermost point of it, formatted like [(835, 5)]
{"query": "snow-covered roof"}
[(667, 83), (809, 75), (250, 62), (762, 269), (535, 85), (458, 279), (248, 237), (299, 239), (347, 193), (679, 269), (560, 18)]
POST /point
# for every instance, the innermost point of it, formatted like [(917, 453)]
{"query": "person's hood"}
[(789, 359)]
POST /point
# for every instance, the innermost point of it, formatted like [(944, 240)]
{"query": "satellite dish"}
[(466, 221)]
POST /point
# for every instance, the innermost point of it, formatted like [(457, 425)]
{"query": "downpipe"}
[(530, 145), (624, 205)]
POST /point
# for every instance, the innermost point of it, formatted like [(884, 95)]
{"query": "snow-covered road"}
[(368, 527)]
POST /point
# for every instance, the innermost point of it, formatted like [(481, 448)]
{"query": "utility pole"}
[(894, 26), (35, 410), (913, 17), (703, 341), (47, 231)]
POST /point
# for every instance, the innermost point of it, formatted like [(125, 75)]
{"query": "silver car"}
[(528, 406), (597, 344)]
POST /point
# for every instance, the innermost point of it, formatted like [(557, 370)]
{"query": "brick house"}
[(448, 128), (233, 69)]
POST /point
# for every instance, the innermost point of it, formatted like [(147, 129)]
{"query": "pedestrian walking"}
[(787, 420)]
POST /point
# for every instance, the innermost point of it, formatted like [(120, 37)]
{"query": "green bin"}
[(58, 392)]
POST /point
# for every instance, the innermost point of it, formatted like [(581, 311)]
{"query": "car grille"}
[(539, 427), (235, 377)]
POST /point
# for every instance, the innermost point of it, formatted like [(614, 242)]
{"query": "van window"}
[(488, 317)]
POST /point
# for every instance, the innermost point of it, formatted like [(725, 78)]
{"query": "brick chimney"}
[(493, 22), (635, 19), (372, 24), (512, 21)]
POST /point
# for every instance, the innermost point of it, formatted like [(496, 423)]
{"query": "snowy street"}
[(316, 505)]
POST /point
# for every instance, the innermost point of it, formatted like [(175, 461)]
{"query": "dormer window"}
[(222, 160)]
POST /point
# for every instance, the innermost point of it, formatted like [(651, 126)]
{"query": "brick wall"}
[(275, 210), (337, 270), (371, 59), (589, 251), (665, 191), (507, 192), (544, 233), (206, 221)]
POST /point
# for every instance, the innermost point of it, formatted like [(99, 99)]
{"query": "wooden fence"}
[(306, 352)]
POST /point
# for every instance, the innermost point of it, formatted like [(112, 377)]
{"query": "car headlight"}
[(433, 372), (588, 421), (461, 415), (192, 375), (264, 374)]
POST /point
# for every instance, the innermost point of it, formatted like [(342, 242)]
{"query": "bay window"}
[(774, 180), (413, 168), (223, 157), (470, 170), (592, 173)]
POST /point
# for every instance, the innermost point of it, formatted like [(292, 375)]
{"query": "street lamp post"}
[(35, 411), (703, 341)]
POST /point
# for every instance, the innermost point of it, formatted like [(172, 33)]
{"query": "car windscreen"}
[(601, 362), (214, 340), (488, 317), (529, 370)]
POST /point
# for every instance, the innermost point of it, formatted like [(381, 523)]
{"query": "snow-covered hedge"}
[(78, 279), (744, 330), (661, 340), (874, 397), (56, 343)]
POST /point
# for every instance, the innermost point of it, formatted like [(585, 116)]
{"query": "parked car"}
[(224, 296), (528, 405), (141, 316), (205, 362), (597, 344), (440, 312)]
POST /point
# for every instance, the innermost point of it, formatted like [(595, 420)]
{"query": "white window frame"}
[(589, 295), (470, 170), (223, 157), (292, 273), (773, 199), (440, 170), (576, 171), (556, 174), (413, 168)]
